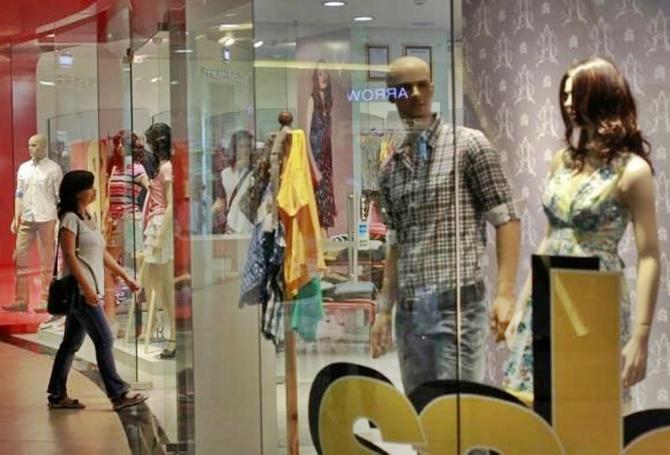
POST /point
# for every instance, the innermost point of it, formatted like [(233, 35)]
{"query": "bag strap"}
[(240, 182), (76, 246)]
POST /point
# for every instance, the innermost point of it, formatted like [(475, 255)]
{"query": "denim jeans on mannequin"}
[(85, 319), (427, 342)]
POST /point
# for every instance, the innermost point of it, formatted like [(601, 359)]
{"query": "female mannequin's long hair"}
[(602, 103)]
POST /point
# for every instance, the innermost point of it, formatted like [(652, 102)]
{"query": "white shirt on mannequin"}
[(37, 185)]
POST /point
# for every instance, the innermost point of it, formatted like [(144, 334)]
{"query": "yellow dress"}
[(303, 255)]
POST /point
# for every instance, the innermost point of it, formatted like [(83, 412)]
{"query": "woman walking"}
[(84, 257)]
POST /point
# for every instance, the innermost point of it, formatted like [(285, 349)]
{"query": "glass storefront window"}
[(387, 226)]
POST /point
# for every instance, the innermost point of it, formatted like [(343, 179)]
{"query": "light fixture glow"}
[(363, 18), (156, 79), (228, 26), (334, 3), (183, 51), (258, 44), (227, 41), (48, 83)]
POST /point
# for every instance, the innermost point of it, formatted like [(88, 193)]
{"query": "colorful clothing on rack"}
[(308, 310), (588, 222), (298, 213), (262, 279), (321, 145)]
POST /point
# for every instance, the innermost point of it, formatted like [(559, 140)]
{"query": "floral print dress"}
[(588, 222)]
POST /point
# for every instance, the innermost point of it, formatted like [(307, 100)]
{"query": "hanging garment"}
[(370, 146), (321, 145), (298, 213), (308, 310)]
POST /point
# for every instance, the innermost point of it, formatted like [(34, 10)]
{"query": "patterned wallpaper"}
[(515, 53)]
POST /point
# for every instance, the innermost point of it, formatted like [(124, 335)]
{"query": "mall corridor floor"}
[(28, 427)]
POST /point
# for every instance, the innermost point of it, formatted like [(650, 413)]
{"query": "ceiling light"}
[(47, 83), (227, 41), (258, 44), (334, 3), (199, 37), (231, 14), (228, 26), (364, 18), (156, 79), (183, 51)]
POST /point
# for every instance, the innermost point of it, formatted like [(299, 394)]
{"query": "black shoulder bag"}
[(64, 291)]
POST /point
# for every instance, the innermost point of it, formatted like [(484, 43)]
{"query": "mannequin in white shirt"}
[(35, 215)]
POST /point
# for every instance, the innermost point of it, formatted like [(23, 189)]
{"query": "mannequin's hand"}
[(132, 284), (381, 334), (500, 316), (634, 360)]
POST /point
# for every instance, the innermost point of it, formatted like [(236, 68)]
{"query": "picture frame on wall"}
[(423, 52), (377, 56)]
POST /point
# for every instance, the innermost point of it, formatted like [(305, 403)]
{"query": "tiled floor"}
[(28, 427)]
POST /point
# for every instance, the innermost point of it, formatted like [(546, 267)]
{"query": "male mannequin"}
[(417, 186), (35, 214)]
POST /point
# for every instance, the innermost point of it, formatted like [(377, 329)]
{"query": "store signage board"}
[(376, 94), (443, 417)]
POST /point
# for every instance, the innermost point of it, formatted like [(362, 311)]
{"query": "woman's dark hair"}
[(601, 100), (159, 138), (322, 105), (73, 183), (234, 140)]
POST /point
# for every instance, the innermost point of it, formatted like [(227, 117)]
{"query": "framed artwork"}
[(422, 52), (377, 56)]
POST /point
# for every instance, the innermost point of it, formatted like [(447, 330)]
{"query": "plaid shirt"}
[(417, 184)]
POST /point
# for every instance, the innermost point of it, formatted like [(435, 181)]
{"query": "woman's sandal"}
[(66, 403), (127, 401)]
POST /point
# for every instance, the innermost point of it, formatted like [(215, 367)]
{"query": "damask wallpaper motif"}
[(515, 53)]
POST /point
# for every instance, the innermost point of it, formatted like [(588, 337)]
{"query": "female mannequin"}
[(124, 185), (600, 182), (158, 267), (320, 144)]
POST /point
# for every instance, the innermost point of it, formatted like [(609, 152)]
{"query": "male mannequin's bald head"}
[(407, 69), (413, 76), (37, 147)]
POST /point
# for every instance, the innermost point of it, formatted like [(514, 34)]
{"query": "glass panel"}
[(329, 71), (563, 358)]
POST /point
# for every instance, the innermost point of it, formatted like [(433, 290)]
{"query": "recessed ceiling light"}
[(258, 44), (228, 26), (156, 79), (227, 40), (334, 3), (364, 18), (47, 83), (183, 51)]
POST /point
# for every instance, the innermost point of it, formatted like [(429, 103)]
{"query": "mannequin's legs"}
[(160, 282), (166, 273), (110, 288)]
